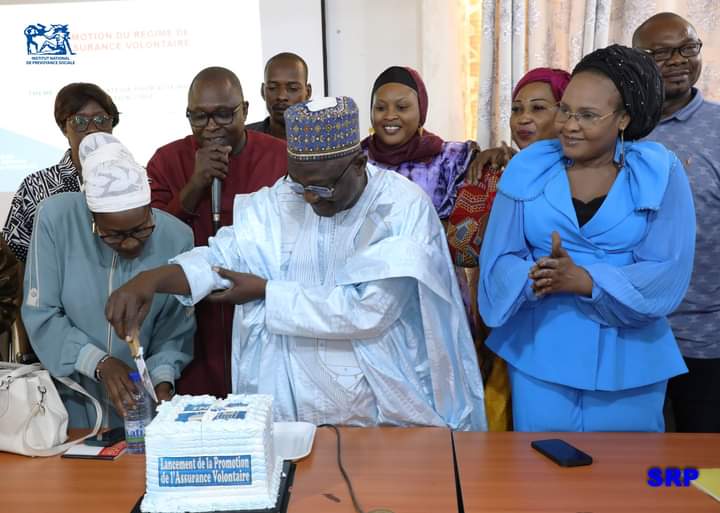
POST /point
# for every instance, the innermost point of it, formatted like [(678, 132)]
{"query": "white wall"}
[(293, 26), (364, 38), (287, 25)]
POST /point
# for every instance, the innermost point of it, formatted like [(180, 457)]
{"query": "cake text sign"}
[(205, 471)]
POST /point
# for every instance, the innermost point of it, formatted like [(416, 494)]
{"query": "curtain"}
[(505, 38), (441, 67), (519, 35)]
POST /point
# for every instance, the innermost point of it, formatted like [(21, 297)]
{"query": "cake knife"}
[(137, 353)]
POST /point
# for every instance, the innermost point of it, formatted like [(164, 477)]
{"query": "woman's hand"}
[(117, 383), (494, 158), (558, 273)]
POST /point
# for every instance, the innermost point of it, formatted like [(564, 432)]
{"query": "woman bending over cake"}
[(84, 246)]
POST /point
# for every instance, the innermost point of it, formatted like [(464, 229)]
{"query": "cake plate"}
[(293, 440)]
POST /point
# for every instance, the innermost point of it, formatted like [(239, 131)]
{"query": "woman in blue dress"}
[(589, 247)]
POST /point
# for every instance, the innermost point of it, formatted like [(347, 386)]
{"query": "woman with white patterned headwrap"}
[(84, 246)]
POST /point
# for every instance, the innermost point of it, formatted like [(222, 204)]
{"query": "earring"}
[(622, 148), (371, 131), (420, 131), (92, 227)]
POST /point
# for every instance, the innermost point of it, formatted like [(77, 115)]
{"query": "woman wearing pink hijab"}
[(532, 117), (534, 101)]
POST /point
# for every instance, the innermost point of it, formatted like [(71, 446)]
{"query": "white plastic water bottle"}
[(137, 417)]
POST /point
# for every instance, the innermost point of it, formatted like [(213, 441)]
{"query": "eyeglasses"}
[(81, 123), (200, 119), (118, 237), (584, 118), (664, 54), (318, 190)]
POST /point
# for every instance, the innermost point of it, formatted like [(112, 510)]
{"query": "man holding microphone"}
[(182, 174)]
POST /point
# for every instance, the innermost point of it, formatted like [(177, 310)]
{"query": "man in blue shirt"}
[(690, 127)]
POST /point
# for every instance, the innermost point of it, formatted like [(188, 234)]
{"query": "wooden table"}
[(402, 470), (405, 470), (501, 473), (409, 471), (40, 485)]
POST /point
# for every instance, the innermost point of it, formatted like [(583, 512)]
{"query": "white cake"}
[(208, 454)]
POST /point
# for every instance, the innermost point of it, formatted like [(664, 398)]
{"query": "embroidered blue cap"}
[(322, 129)]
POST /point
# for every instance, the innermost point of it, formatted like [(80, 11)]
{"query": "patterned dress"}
[(440, 177), (9, 287), (62, 177), (468, 219)]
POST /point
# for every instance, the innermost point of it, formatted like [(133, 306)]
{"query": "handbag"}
[(33, 418)]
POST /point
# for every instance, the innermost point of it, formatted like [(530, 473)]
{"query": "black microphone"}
[(215, 207)]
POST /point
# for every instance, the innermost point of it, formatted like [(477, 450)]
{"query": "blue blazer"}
[(638, 248)]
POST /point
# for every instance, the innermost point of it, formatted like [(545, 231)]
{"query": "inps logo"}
[(48, 45)]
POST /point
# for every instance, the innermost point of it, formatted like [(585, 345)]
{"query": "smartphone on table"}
[(562, 452), (107, 438)]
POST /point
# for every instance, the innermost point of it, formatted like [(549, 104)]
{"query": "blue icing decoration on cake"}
[(184, 417), (229, 415), (197, 407)]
